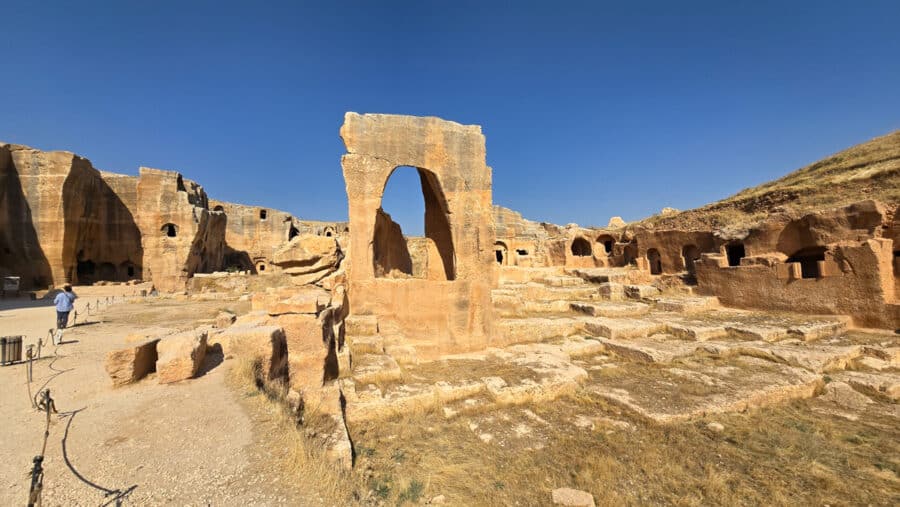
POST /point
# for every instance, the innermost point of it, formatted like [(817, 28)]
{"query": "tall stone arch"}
[(436, 316)]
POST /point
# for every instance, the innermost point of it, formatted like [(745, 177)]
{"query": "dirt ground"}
[(217, 440), (198, 442)]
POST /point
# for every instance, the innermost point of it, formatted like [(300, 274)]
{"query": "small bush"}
[(412, 493)]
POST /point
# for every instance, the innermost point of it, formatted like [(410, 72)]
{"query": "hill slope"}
[(870, 170)]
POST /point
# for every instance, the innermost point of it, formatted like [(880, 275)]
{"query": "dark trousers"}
[(62, 319)]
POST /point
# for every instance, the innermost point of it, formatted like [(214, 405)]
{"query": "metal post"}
[(40, 344), (37, 482), (29, 354)]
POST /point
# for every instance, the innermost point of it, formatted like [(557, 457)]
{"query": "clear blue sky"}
[(590, 109)]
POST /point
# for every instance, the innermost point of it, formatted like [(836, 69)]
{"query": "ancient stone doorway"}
[(501, 253), (690, 253), (581, 247), (655, 261), (735, 252), (809, 260), (630, 254)]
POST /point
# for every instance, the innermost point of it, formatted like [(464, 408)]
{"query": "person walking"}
[(65, 302)]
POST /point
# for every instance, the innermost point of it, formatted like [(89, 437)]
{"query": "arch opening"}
[(655, 261), (581, 247), (501, 253), (414, 251), (630, 254), (127, 271), (86, 270), (809, 258), (735, 252), (170, 230), (607, 241)]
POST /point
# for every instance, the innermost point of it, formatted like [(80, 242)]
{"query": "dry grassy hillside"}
[(870, 170)]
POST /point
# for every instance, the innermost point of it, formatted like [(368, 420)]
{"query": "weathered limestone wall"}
[(21, 253), (524, 243), (438, 316), (251, 240), (180, 236), (673, 244), (62, 221), (857, 280), (778, 233), (252, 235)]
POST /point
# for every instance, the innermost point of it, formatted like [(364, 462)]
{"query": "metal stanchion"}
[(29, 355)]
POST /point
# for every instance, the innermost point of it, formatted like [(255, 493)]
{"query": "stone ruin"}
[(362, 322), (63, 221), (445, 308)]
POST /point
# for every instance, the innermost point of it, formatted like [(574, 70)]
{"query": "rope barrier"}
[(43, 402), (48, 406)]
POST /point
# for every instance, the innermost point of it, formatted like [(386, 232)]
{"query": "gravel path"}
[(189, 443)]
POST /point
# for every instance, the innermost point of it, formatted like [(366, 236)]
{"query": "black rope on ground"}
[(117, 494), (50, 378)]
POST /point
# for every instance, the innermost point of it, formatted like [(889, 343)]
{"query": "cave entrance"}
[(607, 241), (86, 270), (501, 253), (735, 252), (809, 260), (581, 247), (655, 261), (690, 253)]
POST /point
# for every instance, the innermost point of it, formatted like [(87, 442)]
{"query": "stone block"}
[(758, 332), (305, 303), (612, 291), (372, 368), (696, 331), (572, 498), (622, 328), (129, 365), (623, 309), (180, 356), (536, 329), (267, 344), (366, 345), (361, 325), (688, 305), (640, 291)]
